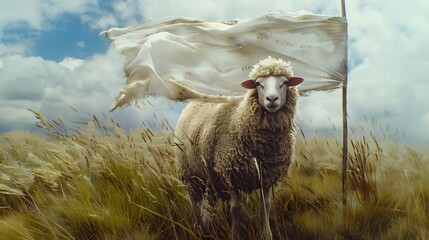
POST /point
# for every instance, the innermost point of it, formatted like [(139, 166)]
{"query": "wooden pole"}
[(343, 8), (345, 124)]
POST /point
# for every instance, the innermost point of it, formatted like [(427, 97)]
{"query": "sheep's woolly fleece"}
[(271, 67)]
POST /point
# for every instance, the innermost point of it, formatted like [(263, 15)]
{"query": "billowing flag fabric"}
[(214, 57)]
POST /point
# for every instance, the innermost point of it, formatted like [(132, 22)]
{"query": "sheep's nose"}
[(272, 98)]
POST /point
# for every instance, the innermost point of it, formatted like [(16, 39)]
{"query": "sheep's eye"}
[(259, 84), (284, 83)]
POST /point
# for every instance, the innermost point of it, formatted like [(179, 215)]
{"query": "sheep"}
[(239, 144)]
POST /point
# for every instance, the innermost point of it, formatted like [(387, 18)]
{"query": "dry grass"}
[(99, 182)]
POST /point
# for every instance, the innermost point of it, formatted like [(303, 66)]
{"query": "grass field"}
[(99, 182)]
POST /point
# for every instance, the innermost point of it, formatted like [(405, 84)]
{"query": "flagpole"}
[(345, 124)]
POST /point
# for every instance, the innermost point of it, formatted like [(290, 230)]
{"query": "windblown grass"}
[(100, 182)]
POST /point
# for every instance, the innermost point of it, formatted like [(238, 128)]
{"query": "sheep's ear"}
[(293, 81), (249, 84)]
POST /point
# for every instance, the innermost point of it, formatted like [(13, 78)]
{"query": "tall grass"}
[(96, 181)]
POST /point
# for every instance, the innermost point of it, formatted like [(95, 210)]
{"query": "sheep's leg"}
[(206, 211), (236, 213), (203, 217), (198, 205), (265, 213)]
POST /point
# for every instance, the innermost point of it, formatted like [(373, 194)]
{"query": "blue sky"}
[(52, 57), (70, 38), (67, 37)]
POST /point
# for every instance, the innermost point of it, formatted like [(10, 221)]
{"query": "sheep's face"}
[(272, 90)]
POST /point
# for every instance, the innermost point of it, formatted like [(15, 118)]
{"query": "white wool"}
[(271, 67)]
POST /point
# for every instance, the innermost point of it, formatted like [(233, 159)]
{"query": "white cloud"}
[(226, 9), (20, 12), (320, 110), (133, 12), (36, 13), (80, 44), (13, 48), (388, 52), (391, 75), (50, 88), (31, 17), (16, 118), (105, 19), (55, 8), (25, 78), (71, 63)]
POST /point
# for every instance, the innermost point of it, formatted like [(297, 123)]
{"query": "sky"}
[(52, 59)]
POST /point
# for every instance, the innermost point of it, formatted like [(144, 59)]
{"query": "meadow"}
[(97, 181)]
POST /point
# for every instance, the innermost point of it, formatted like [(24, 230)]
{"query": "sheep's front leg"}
[(203, 217), (236, 213), (265, 213), (199, 205)]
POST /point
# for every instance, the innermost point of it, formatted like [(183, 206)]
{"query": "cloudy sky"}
[(52, 57)]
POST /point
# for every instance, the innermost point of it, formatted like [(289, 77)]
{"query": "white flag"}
[(214, 57)]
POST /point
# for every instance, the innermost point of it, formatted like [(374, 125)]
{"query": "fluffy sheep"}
[(239, 144)]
